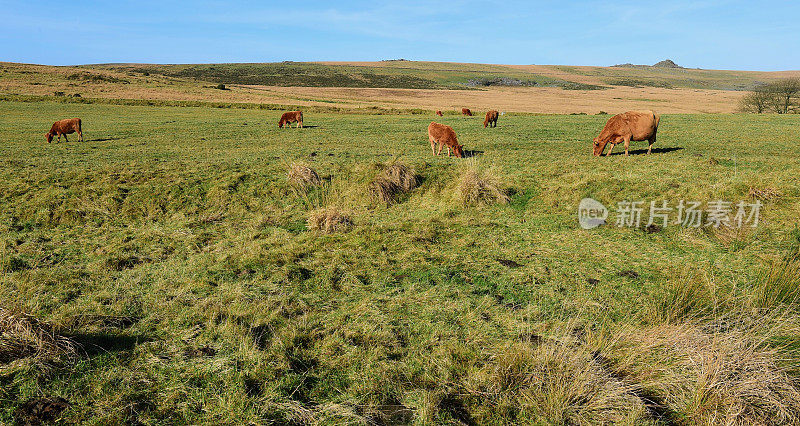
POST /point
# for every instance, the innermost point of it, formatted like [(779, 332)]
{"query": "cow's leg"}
[(65, 138), (80, 136), (652, 140), (611, 148), (440, 149), (301, 123), (433, 145), (448, 150), (627, 144)]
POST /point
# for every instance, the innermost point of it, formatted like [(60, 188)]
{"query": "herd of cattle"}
[(621, 128)]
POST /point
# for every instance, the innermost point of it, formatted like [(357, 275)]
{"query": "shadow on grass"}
[(113, 138), (93, 344), (644, 151), (472, 153)]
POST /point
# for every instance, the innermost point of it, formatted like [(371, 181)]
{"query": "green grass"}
[(671, 77), (439, 75), (404, 74), (174, 229)]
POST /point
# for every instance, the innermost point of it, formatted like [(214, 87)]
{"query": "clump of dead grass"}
[(731, 377), (403, 176), (765, 193), (23, 336), (557, 382), (302, 177), (477, 187), (392, 182), (329, 220)]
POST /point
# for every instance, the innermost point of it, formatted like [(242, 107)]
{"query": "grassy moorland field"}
[(396, 85), (166, 271)]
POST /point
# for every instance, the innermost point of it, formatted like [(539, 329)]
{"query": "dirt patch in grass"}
[(41, 411)]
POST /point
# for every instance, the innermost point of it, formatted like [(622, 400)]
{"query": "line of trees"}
[(781, 97)]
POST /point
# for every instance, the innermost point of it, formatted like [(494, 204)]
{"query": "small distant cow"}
[(291, 117), (466, 112), (439, 113), (627, 127), (65, 127), (444, 136), (491, 119)]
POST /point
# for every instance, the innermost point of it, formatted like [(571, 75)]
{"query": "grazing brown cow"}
[(627, 127), (291, 117), (65, 127), (439, 113), (444, 135), (491, 118), (466, 112)]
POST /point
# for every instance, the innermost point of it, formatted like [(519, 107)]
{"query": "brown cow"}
[(466, 112), (491, 117), (627, 127), (65, 127), (444, 135), (291, 117), (439, 113)]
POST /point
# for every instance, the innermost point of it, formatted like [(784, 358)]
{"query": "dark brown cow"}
[(466, 112), (439, 113), (444, 135), (291, 117), (65, 127), (491, 118), (627, 127)]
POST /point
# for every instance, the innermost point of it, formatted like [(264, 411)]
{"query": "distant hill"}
[(405, 74), (666, 63)]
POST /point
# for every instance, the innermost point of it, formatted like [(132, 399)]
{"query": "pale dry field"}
[(546, 100)]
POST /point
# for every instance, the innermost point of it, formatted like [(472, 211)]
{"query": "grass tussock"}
[(329, 220), (23, 336), (557, 382), (780, 285), (731, 237), (403, 176), (482, 187), (392, 182), (384, 190), (683, 300), (729, 377), (302, 177)]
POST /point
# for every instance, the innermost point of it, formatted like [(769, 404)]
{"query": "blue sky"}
[(724, 34)]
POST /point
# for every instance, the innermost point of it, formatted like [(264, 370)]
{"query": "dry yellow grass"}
[(329, 220), (482, 187), (302, 177)]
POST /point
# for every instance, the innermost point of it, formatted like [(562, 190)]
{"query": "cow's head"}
[(280, 123), (598, 146), (459, 150), (49, 137)]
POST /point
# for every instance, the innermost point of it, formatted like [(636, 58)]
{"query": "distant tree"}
[(786, 94), (781, 97), (758, 101)]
